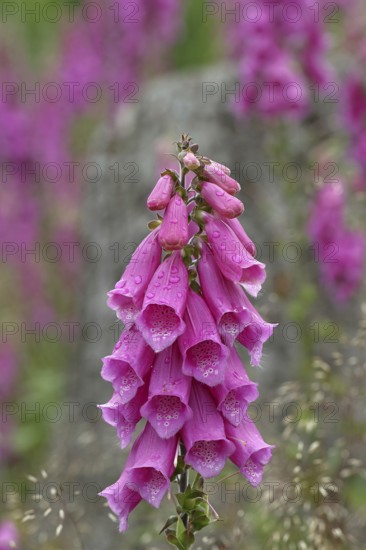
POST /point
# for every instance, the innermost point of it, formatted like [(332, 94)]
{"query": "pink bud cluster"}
[(183, 300)]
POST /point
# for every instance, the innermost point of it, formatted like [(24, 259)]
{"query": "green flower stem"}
[(183, 480)]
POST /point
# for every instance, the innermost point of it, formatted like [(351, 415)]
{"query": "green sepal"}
[(153, 224), (179, 469)]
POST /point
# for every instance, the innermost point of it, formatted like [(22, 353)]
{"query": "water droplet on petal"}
[(138, 279), (216, 234)]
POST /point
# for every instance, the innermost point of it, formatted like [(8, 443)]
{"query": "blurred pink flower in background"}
[(9, 537), (341, 251)]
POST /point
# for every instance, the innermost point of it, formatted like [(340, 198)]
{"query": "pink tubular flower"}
[(251, 452), (219, 175), (204, 355), (242, 235), (236, 392), (224, 298), (130, 362), (161, 318), (160, 196), (220, 167), (191, 161), (128, 294), (234, 261), (146, 475), (124, 416), (167, 408), (255, 333), (226, 205), (9, 537), (204, 434), (173, 234)]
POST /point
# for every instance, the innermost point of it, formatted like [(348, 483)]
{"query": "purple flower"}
[(226, 205), (9, 537), (125, 416), (147, 473), (236, 392), (173, 234), (128, 365), (224, 298), (242, 235), (161, 318), (204, 434), (204, 355), (128, 294), (160, 196), (251, 452), (234, 261), (167, 408), (255, 333), (341, 252)]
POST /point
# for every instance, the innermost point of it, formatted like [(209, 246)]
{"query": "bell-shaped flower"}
[(146, 475), (127, 296), (251, 452), (167, 408), (161, 318), (128, 365), (236, 392), (218, 174), (223, 297), (222, 202), (234, 261), (204, 434), (125, 416), (242, 235), (204, 355), (173, 232), (160, 196), (255, 333)]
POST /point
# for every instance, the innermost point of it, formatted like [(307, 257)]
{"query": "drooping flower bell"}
[(127, 296), (175, 366), (173, 233), (161, 318), (161, 194)]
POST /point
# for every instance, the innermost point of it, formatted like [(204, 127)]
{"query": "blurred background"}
[(93, 96)]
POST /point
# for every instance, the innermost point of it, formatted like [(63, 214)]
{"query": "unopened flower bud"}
[(191, 161)]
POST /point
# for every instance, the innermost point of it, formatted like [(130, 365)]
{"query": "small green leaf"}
[(170, 521)]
